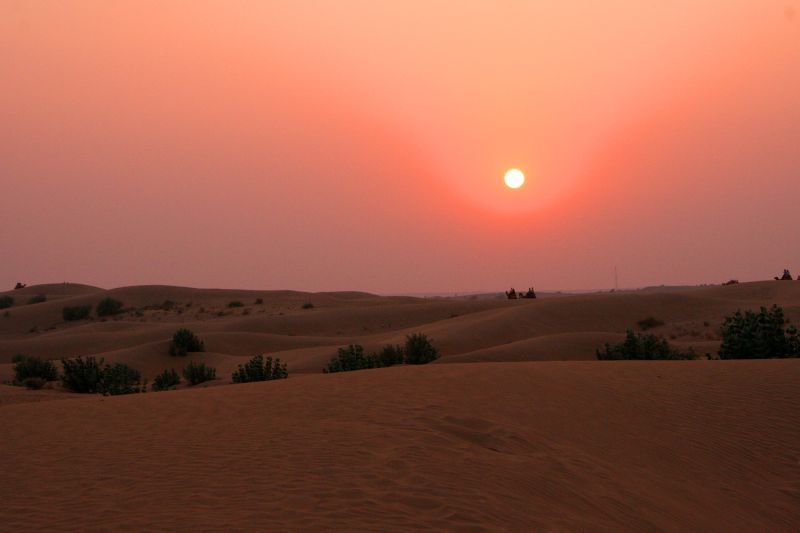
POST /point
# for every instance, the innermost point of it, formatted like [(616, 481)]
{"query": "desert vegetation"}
[(167, 380), (196, 373), (37, 299), (418, 350), (76, 312), (89, 376), (185, 341), (637, 346), (235, 303), (762, 335), (6, 302), (33, 372), (260, 369), (308, 305), (108, 307)]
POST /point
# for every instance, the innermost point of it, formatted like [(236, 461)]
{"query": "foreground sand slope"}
[(567, 327), (703, 445)]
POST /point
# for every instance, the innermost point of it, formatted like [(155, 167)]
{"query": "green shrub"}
[(82, 375), (6, 302), (351, 358), (637, 346), (184, 341), (419, 350), (759, 335), (168, 379), (88, 376), (33, 367), (236, 303), (308, 305), (119, 379), (259, 369), (259, 301), (649, 323), (39, 298), (76, 312), (196, 373), (391, 355), (108, 307)]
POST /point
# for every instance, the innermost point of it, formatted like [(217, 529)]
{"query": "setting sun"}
[(514, 178)]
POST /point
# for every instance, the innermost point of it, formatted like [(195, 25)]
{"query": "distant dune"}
[(602, 446), (555, 328)]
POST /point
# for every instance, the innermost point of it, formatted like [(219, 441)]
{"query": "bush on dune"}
[(33, 369), (761, 335), (196, 373), (119, 379), (260, 369), (76, 312), (643, 347), (351, 358), (185, 341), (88, 376), (419, 349), (108, 307), (39, 298), (167, 380), (6, 302)]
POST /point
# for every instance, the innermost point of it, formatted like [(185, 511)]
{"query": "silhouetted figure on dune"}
[(512, 294), (787, 276), (731, 282), (19, 286)]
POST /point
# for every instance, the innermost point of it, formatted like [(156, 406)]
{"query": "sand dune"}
[(703, 445), (556, 328)]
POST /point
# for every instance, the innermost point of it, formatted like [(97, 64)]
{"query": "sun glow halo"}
[(514, 178)]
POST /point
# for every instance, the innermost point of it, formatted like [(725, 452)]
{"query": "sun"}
[(514, 178)]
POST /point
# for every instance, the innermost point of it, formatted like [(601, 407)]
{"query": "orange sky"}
[(361, 145)]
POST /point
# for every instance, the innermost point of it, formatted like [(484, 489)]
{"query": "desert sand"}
[(536, 435)]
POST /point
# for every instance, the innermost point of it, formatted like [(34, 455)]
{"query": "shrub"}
[(39, 298), (637, 346), (649, 323), (76, 312), (196, 373), (259, 301), (33, 367), (108, 307), (259, 369), (168, 379), (351, 358), (419, 350), (167, 305), (82, 375), (6, 302), (88, 376), (184, 341), (308, 305), (759, 335), (119, 379), (391, 355), (236, 303)]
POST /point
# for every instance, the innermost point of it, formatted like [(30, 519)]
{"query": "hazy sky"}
[(336, 145)]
